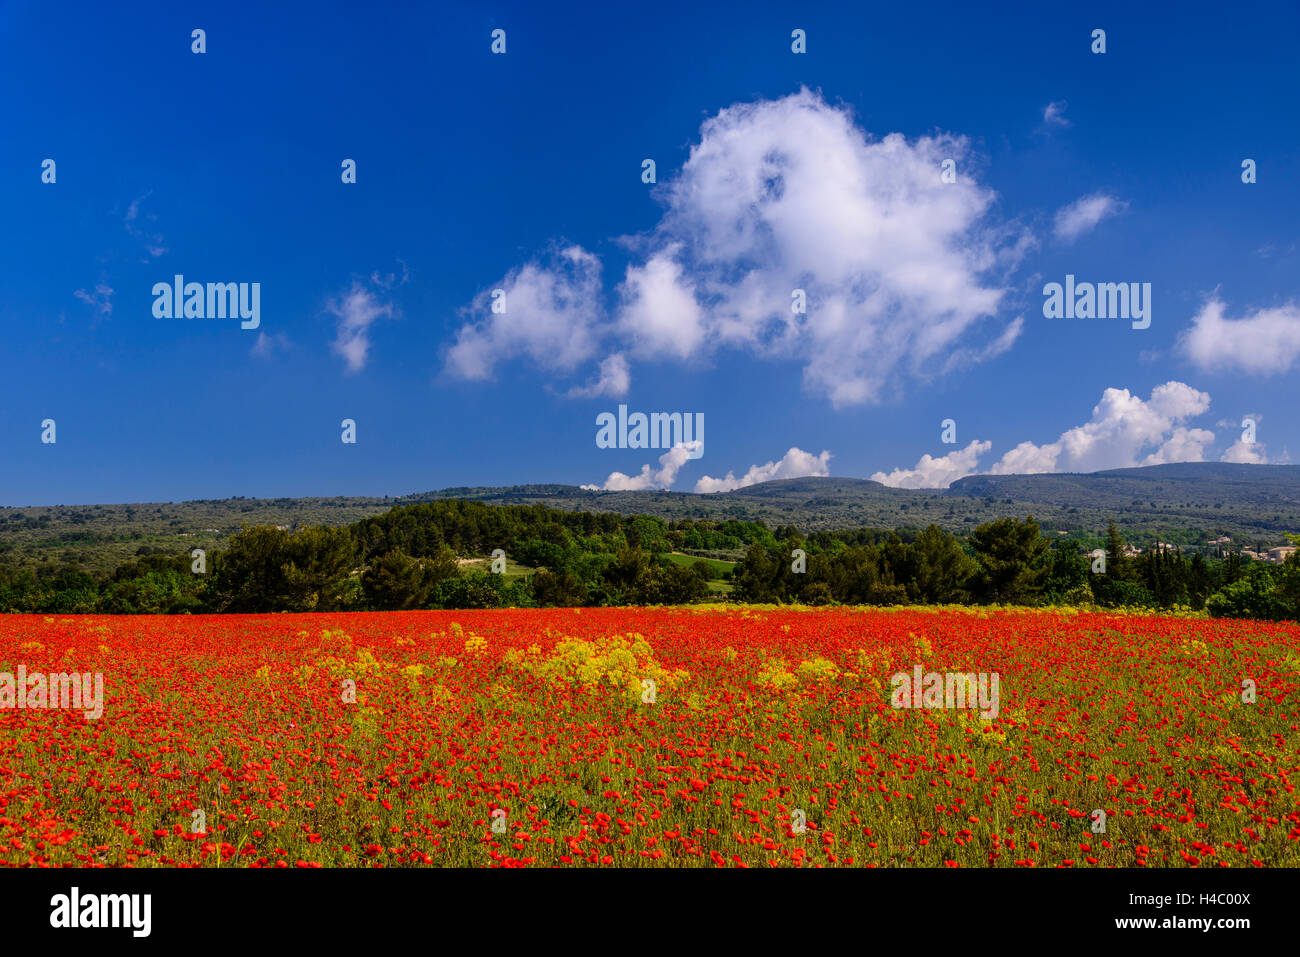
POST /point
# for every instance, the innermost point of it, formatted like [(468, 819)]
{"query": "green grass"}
[(716, 585), (717, 567), (513, 568)]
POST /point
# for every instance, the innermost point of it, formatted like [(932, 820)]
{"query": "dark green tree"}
[(941, 570), (397, 582), (1010, 555), (1117, 564)]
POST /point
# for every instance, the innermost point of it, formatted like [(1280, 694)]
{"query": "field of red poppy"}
[(651, 738)]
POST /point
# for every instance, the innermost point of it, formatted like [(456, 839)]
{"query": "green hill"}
[(1188, 504)]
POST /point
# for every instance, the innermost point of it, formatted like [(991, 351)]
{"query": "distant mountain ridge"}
[(1256, 501), (1177, 478)]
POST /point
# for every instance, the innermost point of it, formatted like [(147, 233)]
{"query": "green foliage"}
[(1118, 593), (270, 569), (1252, 596), (1116, 560), (1068, 573), (1011, 560), (397, 582), (941, 571), (406, 559), (561, 589)]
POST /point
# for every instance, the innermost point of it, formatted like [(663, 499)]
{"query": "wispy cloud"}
[(613, 380), (268, 344), (101, 299), (1054, 114), (138, 227), (1084, 214), (355, 311)]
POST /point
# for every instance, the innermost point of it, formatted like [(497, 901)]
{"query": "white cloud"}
[(791, 194), (102, 299), (356, 310), (1028, 459), (1054, 113), (1250, 453), (1183, 445), (1084, 214), (931, 472), (1265, 342), (796, 463), (613, 380), (551, 314), (780, 195), (670, 463), (1123, 427), (660, 313)]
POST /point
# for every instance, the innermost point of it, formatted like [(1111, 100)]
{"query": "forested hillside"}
[(1188, 505)]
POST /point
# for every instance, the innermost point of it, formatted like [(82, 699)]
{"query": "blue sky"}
[(523, 172)]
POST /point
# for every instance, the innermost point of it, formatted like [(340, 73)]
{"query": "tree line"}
[(1009, 561), (411, 557)]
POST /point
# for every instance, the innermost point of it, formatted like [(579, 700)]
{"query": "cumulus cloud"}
[(1249, 453), (355, 312), (1124, 431), (1084, 214), (661, 314), (613, 380), (936, 472), (1054, 114), (552, 309), (1183, 445), (1264, 342), (796, 463), (898, 268), (670, 463)]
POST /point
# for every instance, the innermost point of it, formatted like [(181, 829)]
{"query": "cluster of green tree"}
[(1231, 588), (156, 584), (407, 559), (1009, 561), (1006, 562), (541, 535), (404, 559)]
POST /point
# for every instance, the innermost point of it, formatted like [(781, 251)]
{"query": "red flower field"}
[(652, 738)]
